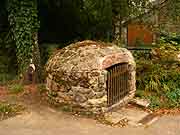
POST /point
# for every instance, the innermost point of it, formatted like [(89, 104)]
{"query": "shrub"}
[(15, 88), (8, 110), (158, 76)]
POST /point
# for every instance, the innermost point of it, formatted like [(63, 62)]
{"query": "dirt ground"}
[(40, 119)]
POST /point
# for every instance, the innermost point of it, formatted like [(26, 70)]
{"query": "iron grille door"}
[(117, 83)]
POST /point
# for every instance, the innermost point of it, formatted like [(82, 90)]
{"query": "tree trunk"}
[(28, 54), (36, 59), (117, 30)]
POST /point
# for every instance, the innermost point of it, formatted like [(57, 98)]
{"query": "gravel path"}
[(45, 121)]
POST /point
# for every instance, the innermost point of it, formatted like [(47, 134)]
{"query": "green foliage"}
[(24, 23), (7, 110), (5, 77), (99, 17), (174, 9), (15, 88), (8, 61), (129, 8), (42, 88), (52, 94), (47, 50), (155, 102), (158, 76), (174, 98), (171, 38), (76, 20)]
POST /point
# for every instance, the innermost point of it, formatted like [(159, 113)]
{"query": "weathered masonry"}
[(93, 75)]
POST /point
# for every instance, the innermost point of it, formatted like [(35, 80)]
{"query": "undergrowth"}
[(15, 88), (158, 76), (9, 110), (41, 88)]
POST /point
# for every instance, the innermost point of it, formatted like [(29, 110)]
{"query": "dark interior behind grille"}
[(117, 83)]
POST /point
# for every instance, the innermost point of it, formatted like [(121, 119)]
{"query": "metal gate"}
[(117, 83)]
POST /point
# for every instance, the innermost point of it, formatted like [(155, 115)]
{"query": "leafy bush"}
[(8, 110), (158, 76), (15, 88), (172, 38), (174, 98)]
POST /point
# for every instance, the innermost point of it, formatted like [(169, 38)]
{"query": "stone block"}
[(114, 117), (80, 98)]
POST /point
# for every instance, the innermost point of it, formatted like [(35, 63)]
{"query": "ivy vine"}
[(23, 18)]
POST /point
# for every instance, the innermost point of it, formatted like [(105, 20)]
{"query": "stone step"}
[(134, 116), (140, 102), (114, 117), (148, 120)]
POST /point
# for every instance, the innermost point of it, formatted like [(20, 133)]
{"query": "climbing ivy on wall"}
[(23, 18)]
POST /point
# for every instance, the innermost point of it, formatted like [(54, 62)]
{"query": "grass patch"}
[(9, 110), (15, 88)]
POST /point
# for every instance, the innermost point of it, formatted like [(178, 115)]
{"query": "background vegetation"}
[(26, 26), (158, 74)]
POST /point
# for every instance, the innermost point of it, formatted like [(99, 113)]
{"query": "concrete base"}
[(141, 102), (114, 117), (134, 116)]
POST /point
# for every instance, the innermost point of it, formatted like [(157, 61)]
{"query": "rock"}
[(64, 96), (81, 90), (94, 74), (100, 94), (98, 101), (149, 119), (96, 88), (68, 86), (79, 98), (93, 80), (84, 83), (62, 88), (114, 117), (134, 115), (85, 91), (101, 79), (141, 102), (74, 82), (91, 95)]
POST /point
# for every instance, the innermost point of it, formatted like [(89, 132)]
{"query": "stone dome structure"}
[(94, 75)]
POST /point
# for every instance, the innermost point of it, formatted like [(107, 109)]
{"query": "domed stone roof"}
[(87, 55), (78, 74)]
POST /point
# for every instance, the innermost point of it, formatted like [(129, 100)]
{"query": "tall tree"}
[(23, 18), (173, 7), (123, 10)]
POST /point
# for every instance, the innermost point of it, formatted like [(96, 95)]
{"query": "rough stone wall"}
[(77, 74), (87, 89)]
